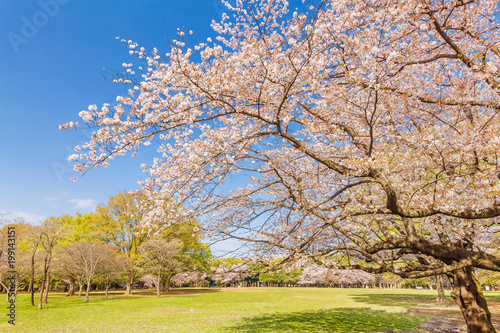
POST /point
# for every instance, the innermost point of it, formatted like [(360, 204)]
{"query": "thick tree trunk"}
[(167, 283), (71, 290), (106, 291), (468, 295), (130, 283), (440, 289)]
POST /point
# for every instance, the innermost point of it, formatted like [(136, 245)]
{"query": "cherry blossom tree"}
[(191, 277), (148, 280), (226, 275), (181, 279), (367, 128), (313, 275), (353, 277), (319, 274)]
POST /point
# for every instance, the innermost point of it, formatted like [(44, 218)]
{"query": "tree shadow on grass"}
[(340, 320), (403, 300)]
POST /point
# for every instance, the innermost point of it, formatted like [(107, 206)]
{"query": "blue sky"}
[(52, 55)]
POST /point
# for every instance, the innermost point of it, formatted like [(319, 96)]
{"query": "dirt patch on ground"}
[(10, 325), (447, 318)]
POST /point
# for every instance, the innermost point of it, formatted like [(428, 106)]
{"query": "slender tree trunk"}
[(32, 295), (106, 291), (468, 295), (46, 291), (87, 292), (80, 287), (32, 280), (158, 284), (440, 289), (42, 288), (45, 279), (71, 290)]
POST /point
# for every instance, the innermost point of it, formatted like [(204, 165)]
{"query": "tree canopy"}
[(366, 127)]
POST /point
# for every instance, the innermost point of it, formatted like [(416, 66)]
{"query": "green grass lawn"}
[(234, 310)]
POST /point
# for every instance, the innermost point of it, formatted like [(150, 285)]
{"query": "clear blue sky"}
[(52, 55)]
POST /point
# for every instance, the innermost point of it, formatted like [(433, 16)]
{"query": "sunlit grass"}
[(234, 310)]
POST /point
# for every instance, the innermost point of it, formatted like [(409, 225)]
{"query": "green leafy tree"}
[(282, 276), (195, 254), (80, 227), (119, 223)]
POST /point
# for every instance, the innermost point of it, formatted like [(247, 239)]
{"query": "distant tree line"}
[(104, 249), (107, 249)]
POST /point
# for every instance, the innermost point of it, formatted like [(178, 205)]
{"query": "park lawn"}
[(233, 310)]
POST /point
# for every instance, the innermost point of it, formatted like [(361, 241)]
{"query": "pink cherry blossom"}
[(362, 128)]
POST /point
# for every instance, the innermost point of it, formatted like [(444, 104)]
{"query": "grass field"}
[(233, 310)]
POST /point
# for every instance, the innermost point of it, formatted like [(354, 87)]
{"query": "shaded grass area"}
[(212, 310), (400, 298), (340, 320), (407, 298)]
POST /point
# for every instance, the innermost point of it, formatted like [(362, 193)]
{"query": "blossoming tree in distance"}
[(368, 128), (226, 275), (317, 274)]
